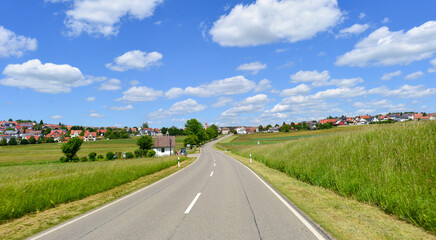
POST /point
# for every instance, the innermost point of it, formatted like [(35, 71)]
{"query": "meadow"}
[(33, 179), (390, 166), (51, 152), (32, 188)]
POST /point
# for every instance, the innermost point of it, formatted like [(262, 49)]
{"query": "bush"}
[(75, 159), (32, 140), (129, 155), (84, 159), (92, 156), (151, 153), (118, 155), (100, 157), (63, 159), (145, 142), (110, 156), (12, 141), (24, 141), (3, 142), (139, 153), (71, 147)]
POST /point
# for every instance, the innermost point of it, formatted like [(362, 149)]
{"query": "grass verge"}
[(343, 218), (31, 224)]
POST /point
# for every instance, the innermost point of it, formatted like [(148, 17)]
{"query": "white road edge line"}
[(214, 164), (108, 205), (192, 203), (295, 212), (211, 173)]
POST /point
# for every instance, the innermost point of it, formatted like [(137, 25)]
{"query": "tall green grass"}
[(31, 188), (391, 166)]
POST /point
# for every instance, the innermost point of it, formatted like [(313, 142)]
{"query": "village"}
[(27, 132)]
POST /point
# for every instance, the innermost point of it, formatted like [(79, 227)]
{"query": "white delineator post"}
[(178, 161), (250, 159)]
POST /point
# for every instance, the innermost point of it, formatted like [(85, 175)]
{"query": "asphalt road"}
[(216, 197)]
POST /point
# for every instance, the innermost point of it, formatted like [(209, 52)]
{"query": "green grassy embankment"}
[(390, 166), (33, 188)]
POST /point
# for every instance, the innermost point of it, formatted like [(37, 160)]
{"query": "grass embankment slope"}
[(51, 152), (390, 166)]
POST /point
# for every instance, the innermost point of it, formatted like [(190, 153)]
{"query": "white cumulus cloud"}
[(46, 78), (121, 108), (301, 89), (316, 78), (13, 45), (227, 86), (140, 94), (90, 99), (253, 67), (389, 76), (353, 30), (179, 108), (406, 91), (384, 48), (56, 117), (103, 17), (433, 68), (96, 115), (222, 101), (135, 59), (110, 85), (269, 21), (414, 75)]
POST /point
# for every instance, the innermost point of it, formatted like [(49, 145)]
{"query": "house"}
[(432, 116), (373, 120), (324, 121), (148, 131), (417, 116), (274, 129), (340, 123), (241, 130), (164, 145), (225, 131), (75, 133), (90, 136), (366, 117), (361, 121), (252, 129)]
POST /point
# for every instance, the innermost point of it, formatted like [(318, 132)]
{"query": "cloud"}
[(45, 78), (301, 89), (121, 108), (179, 108), (140, 94), (414, 75), (110, 85), (90, 99), (353, 30), (385, 48), (362, 15), (269, 21), (263, 85), (56, 117), (134, 82), (103, 17), (385, 20), (248, 105), (228, 86), (13, 45), (406, 91), (380, 105), (433, 68), (389, 76), (346, 82), (222, 101), (253, 67), (96, 115), (339, 93), (135, 59), (317, 79)]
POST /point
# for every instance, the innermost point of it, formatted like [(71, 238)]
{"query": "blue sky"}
[(125, 62)]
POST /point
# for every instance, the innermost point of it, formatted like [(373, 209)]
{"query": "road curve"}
[(216, 197)]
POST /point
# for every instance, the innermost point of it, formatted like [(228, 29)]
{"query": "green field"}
[(51, 152), (33, 179), (390, 166)]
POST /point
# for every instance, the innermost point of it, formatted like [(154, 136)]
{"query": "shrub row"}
[(111, 156)]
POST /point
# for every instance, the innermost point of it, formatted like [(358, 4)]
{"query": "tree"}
[(260, 128), (3, 142), (215, 128), (32, 140), (191, 140), (211, 133), (10, 120), (145, 125), (194, 127), (41, 123), (46, 131), (24, 141), (164, 130), (145, 142), (12, 141), (285, 128), (71, 148)]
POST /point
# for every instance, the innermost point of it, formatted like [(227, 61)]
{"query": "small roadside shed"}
[(164, 145)]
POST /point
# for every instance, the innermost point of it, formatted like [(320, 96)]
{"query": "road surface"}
[(216, 197)]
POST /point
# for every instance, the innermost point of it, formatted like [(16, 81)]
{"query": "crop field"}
[(31, 188), (390, 166), (51, 152)]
